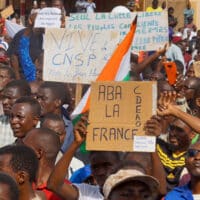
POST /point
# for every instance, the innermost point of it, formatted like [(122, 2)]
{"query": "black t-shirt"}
[(173, 163)]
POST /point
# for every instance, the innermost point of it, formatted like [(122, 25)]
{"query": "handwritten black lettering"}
[(103, 134), (109, 92), (138, 104), (136, 90), (113, 111)]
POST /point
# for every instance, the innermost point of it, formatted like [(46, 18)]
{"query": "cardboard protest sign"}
[(196, 66), (118, 112), (76, 56), (151, 32), (48, 18), (7, 12)]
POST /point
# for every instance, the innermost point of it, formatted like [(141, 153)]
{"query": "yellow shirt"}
[(150, 9)]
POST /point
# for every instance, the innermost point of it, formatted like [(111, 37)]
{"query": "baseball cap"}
[(81, 174), (125, 175)]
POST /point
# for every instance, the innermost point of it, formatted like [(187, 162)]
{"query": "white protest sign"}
[(151, 32), (196, 196), (48, 18), (144, 143), (76, 56)]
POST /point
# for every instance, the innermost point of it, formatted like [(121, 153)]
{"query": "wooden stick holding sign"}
[(118, 112), (78, 93)]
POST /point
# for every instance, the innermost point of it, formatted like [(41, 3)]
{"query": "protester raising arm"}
[(56, 179), (167, 106), (153, 127), (141, 66), (172, 151)]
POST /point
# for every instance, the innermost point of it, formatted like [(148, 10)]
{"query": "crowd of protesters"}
[(40, 154)]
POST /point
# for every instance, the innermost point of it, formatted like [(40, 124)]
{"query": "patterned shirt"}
[(173, 164)]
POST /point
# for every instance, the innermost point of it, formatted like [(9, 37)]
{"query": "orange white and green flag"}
[(116, 69)]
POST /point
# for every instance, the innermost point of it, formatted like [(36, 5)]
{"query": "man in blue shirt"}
[(192, 189), (188, 12)]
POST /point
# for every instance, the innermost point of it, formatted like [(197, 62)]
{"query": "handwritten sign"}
[(151, 32), (7, 12), (48, 18), (196, 196), (76, 56), (144, 143), (196, 66), (118, 112)]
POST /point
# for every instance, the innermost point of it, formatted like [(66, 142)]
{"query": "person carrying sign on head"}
[(59, 4)]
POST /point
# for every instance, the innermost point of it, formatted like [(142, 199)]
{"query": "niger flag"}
[(116, 69)]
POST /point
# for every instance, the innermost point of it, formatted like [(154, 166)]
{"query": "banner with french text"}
[(76, 56), (118, 112), (151, 32)]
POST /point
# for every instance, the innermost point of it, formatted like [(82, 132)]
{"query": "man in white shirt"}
[(102, 164), (12, 91)]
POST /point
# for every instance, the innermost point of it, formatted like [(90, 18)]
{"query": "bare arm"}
[(141, 66), (159, 172), (153, 127), (56, 179), (167, 106), (192, 121)]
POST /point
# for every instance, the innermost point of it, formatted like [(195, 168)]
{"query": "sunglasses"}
[(192, 152)]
